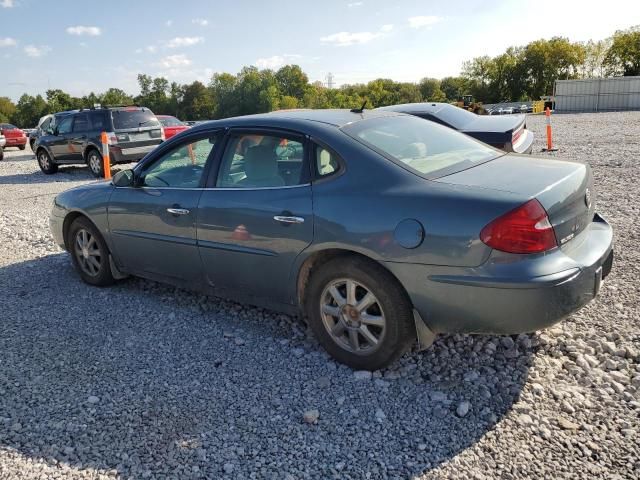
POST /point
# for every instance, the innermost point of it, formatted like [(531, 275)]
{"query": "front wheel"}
[(89, 253), (46, 164), (359, 313)]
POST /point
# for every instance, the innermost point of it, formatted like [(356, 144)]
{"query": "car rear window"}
[(455, 116), (133, 118), (426, 148), (170, 122)]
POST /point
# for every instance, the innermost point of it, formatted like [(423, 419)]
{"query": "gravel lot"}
[(146, 381)]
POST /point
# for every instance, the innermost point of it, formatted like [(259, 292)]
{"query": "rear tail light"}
[(112, 139), (516, 135), (525, 229)]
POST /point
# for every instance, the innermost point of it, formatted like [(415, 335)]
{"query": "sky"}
[(83, 45)]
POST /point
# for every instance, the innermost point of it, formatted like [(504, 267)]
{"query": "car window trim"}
[(162, 149), (272, 131)]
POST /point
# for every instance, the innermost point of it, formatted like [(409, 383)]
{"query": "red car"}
[(172, 126), (15, 137)]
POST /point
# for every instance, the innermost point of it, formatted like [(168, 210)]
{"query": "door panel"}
[(148, 238), (244, 250)]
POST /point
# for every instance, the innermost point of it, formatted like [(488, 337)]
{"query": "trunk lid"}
[(564, 188)]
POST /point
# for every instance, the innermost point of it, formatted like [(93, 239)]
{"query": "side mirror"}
[(124, 178)]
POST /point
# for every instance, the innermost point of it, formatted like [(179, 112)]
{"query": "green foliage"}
[(7, 109), (623, 56)]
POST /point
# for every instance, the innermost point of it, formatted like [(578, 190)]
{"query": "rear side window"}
[(259, 161), (129, 118), (81, 124), (170, 122), (98, 121), (327, 162)]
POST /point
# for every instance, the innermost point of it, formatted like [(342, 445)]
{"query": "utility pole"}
[(330, 80)]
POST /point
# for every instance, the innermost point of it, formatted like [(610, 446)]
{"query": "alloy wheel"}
[(95, 163), (353, 316), (88, 252)]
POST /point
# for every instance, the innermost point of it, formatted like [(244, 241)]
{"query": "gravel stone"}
[(178, 398), (93, 399), (362, 375), (463, 408), (311, 416)]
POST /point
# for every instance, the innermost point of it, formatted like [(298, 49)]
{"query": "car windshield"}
[(455, 116), (170, 122), (133, 118), (426, 148)]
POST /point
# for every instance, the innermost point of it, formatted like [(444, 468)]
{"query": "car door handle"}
[(286, 219), (178, 211)]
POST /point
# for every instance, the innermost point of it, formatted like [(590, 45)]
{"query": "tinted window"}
[(98, 121), (326, 162), (133, 118), (81, 124), (455, 116), (7, 126), (170, 122), (425, 147), (182, 166), (255, 161), (65, 125)]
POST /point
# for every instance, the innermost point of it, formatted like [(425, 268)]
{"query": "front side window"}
[(65, 125), (181, 167), (46, 124), (426, 148), (259, 161)]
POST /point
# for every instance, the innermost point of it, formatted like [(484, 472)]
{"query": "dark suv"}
[(74, 137)]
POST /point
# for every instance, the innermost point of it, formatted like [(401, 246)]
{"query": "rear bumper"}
[(511, 293), (16, 142), (125, 155)]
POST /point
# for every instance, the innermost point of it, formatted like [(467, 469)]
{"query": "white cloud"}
[(386, 28), (34, 51), (184, 42), (84, 30), (355, 4), (8, 42), (203, 22), (344, 39), (172, 61), (271, 62), (168, 23), (7, 4), (276, 61), (423, 21)]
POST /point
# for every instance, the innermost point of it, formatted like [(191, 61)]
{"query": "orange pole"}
[(547, 113), (106, 163)]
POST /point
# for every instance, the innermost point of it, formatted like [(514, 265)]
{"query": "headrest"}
[(260, 163)]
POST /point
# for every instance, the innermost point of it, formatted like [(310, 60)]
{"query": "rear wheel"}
[(359, 313), (22, 147), (46, 164), (96, 165), (89, 253), (1, 154)]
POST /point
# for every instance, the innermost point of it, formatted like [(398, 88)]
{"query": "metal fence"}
[(597, 94)]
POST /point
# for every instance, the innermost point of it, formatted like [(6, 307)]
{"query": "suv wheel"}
[(359, 313), (96, 165), (46, 164)]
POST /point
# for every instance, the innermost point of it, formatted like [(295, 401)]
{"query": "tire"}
[(31, 144), (95, 163), (45, 163), (1, 154), (89, 253), (22, 147), (388, 320)]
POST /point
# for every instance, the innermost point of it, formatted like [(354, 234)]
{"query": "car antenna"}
[(359, 110)]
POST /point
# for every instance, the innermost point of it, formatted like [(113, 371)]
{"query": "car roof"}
[(423, 107), (334, 117)]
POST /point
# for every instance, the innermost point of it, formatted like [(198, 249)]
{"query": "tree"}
[(431, 91), (7, 109), (453, 87), (223, 86), (623, 56), (197, 102), (292, 81), (29, 110), (115, 96)]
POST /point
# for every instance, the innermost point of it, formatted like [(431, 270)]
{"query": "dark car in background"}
[(75, 137), (172, 126), (506, 133), (14, 136), (380, 227)]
